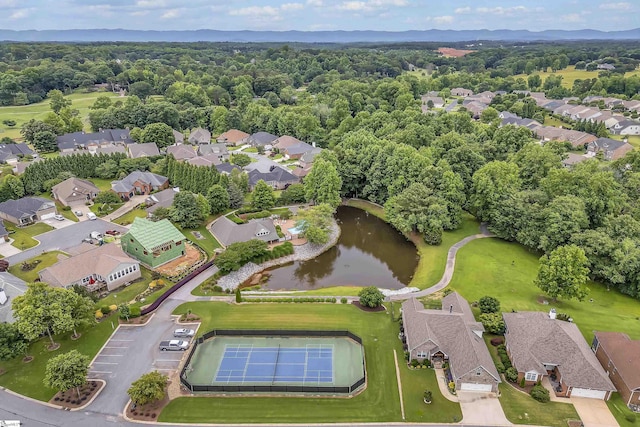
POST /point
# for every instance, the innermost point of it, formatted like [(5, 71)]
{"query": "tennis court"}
[(238, 362)]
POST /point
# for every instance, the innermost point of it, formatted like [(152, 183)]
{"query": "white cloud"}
[(140, 13), (292, 6), (255, 11), (371, 5), (150, 4), (20, 14), (503, 11), (447, 19), (170, 14), (462, 10), (315, 3), (572, 17), (615, 6)]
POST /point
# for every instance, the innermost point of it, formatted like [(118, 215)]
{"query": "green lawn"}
[(128, 218), (506, 271), (128, 293), (26, 378), (23, 236), (620, 411), (102, 184), (68, 214), (47, 259), (632, 139), (552, 121), (379, 402), (433, 259), (103, 209), (24, 113), (570, 75), (208, 243), (250, 150)]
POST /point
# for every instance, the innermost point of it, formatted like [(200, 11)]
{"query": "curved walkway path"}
[(449, 268)]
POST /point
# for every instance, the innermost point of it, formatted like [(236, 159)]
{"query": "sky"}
[(313, 15)]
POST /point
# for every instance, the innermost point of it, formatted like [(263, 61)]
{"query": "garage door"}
[(584, 392), (475, 387), (48, 216)]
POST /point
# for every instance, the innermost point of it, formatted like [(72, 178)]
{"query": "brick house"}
[(139, 183)]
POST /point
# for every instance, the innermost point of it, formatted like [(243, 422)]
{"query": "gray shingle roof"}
[(161, 199), (200, 136), (81, 139), (533, 339), (276, 175), (452, 330), (262, 138), (17, 149), (227, 168), (228, 232), (148, 149), (25, 207), (126, 184)]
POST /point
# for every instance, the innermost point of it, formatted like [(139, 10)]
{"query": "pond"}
[(369, 252)]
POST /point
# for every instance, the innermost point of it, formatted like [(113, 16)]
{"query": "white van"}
[(91, 216)]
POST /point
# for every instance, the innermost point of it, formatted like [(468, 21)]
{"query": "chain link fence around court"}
[(199, 374)]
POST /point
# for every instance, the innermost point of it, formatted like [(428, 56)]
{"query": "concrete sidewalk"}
[(128, 206)]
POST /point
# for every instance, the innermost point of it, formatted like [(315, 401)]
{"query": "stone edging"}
[(301, 253)]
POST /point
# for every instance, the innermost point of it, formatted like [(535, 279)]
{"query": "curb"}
[(104, 384), (137, 325), (31, 399)]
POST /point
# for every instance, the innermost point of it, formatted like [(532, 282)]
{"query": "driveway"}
[(481, 409), (64, 238), (58, 224), (7, 249), (594, 412), (13, 287)]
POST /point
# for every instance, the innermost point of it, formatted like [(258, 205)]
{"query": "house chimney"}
[(552, 313), (451, 308)]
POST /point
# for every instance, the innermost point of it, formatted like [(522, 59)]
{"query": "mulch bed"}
[(136, 320), (189, 317), (575, 423), (148, 412), (365, 308), (69, 398)]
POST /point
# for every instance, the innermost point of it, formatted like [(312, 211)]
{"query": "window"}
[(531, 376), (145, 252), (479, 372), (421, 354), (135, 267)]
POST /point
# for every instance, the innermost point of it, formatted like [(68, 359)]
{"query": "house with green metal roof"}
[(153, 242)]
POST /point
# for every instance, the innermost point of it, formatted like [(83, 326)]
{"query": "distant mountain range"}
[(106, 35)]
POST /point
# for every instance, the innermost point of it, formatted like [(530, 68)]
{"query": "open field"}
[(506, 271), (24, 113), (570, 75), (26, 378), (46, 259), (379, 402)]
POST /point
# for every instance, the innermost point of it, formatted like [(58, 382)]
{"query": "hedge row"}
[(290, 300)]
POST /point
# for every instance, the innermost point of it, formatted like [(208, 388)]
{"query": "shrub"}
[(99, 314), (497, 341), (492, 322), (452, 386), (113, 307), (134, 312), (540, 394), (414, 362), (371, 297), (343, 300), (217, 288), (563, 316), (511, 374), (500, 367), (630, 417), (523, 382), (427, 396), (489, 305), (105, 309)]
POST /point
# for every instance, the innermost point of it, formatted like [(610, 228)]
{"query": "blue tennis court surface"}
[(245, 363)]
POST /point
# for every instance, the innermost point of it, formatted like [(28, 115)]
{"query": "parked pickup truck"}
[(177, 345)]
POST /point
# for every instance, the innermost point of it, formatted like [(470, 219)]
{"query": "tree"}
[(57, 101), (12, 343), (186, 211), (160, 133), (323, 183), (218, 199), (371, 297), (82, 309), (316, 223), (107, 197), (45, 142), (492, 322), (43, 309), (564, 273), (33, 127), (150, 387), (262, 197), (489, 304), (66, 371), (240, 159), (293, 194), (142, 90), (124, 311), (236, 196), (238, 295), (101, 102)]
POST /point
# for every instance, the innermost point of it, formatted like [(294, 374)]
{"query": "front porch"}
[(438, 359)]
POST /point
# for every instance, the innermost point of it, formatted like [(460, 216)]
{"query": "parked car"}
[(91, 216), (59, 217), (112, 232), (78, 213), (174, 345), (183, 332)]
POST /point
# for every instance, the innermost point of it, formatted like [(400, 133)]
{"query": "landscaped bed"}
[(29, 269), (70, 398)]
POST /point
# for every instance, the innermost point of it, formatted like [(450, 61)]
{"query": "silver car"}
[(184, 333)]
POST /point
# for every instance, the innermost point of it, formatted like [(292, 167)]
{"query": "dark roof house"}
[(147, 149), (27, 210), (161, 199), (228, 232), (80, 140), (261, 139), (139, 183), (278, 178), (610, 148)]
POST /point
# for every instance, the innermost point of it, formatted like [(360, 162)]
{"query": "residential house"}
[(101, 267), (459, 91), (147, 149), (483, 97), (507, 115), (626, 127), (573, 159), (553, 105), (200, 136), (261, 139), (450, 335), (161, 199), (227, 168), (541, 346), (605, 66), (111, 149), (139, 183), (209, 160), (620, 358), (574, 137), (11, 153), (181, 152), (437, 102), (632, 105), (27, 210), (220, 150), (278, 178), (306, 162), (153, 242), (178, 136), (74, 192), (563, 110), (610, 148), (4, 234), (227, 232), (475, 108), (82, 141), (577, 112), (233, 137), (291, 147)]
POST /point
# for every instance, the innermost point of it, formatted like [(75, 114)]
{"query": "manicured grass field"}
[(24, 113), (46, 259), (570, 75), (379, 402), (128, 218), (620, 411), (26, 378), (208, 243), (23, 236), (552, 121), (102, 209), (102, 184), (507, 270), (433, 259)]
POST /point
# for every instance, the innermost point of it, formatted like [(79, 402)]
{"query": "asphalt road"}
[(65, 238)]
